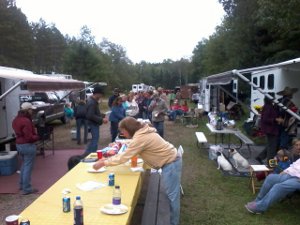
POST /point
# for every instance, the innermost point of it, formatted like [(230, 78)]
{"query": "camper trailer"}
[(17, 86), (204, 98), (272, 81), (264, 81)]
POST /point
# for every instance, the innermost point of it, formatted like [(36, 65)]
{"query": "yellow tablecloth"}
[(47, 209)]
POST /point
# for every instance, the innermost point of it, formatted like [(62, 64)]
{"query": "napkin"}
[(90, 185), (137, 169)]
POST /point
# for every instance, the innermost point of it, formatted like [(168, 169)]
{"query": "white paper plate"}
[(114, 209), (101, 170)]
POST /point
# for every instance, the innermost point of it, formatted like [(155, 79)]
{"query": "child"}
[(113, 149), (282, 161)]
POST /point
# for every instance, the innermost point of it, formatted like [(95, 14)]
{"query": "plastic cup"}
[(12, 220), (99, 154), (134, 161)]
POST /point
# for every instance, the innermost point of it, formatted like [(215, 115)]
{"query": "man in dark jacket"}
[(25, 137), (94, 118), (270, 127), (80, 116)]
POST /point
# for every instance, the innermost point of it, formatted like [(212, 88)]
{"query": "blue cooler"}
[(8, 163)]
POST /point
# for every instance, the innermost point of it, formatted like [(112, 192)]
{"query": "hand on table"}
[(99, 164)]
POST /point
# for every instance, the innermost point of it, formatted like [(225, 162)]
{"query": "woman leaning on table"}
[(157, 153)]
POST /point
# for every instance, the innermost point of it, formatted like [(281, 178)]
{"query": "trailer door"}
[(3, 124)]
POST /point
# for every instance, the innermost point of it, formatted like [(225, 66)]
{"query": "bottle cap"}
[(77, 197), (117, 186)]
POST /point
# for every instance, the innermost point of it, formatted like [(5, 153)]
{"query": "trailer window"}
[(271, 81), (262, 82)]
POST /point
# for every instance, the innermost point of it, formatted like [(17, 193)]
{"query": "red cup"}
[(99, 154), (12, 220)]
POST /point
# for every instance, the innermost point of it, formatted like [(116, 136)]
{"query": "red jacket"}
[(24, 129)]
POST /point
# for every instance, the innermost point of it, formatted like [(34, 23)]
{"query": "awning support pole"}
[(10, 90)]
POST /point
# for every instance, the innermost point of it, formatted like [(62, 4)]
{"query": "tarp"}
[(226, 77), (35, 82)]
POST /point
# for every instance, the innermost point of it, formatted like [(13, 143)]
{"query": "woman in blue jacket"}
[(116, 115)]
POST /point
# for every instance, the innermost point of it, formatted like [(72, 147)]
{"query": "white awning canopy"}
[(226, 77), (35, 82)]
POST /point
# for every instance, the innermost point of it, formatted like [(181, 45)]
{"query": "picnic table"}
[(244, 140), (47, 209)]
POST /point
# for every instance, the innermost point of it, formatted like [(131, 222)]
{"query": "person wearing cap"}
[(113, 97), (26, 136), (94, 118), (159, 109), (288, 124)]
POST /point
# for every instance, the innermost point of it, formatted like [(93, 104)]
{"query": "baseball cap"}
[(27, 105)]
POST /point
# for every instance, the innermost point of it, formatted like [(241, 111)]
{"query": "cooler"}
[(8, 163)]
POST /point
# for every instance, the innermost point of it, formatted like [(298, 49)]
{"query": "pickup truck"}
[(49, 103)]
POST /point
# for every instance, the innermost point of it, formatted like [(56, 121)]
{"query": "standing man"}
[(94, 118), (113, 97), (80, 116), (159, 109), (26, 135)]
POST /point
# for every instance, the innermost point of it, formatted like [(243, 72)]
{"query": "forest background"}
[(252, 33)]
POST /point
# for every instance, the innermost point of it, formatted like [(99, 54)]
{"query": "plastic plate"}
[(101, 170), (114, 209)]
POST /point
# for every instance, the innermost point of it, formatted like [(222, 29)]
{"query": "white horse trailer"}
[(16, 86)]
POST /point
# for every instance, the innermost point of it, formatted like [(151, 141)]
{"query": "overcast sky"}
[(150, 30)]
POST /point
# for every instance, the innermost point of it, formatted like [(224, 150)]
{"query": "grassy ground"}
[(212, 198)]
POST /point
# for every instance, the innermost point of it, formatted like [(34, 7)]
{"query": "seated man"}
[(175, 110), (178, 110), (275, 188)]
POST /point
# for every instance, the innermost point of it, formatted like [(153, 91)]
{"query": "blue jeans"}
[(93, 145), (159, 126), (171, 179), (79, 123), (175, 113), (28, 154), (275, 188), (114, 129)]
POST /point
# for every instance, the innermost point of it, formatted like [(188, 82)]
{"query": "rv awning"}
[(226, 77), (35, 82), (221, 78)]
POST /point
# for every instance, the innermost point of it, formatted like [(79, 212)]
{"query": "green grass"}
[(212, 198)]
